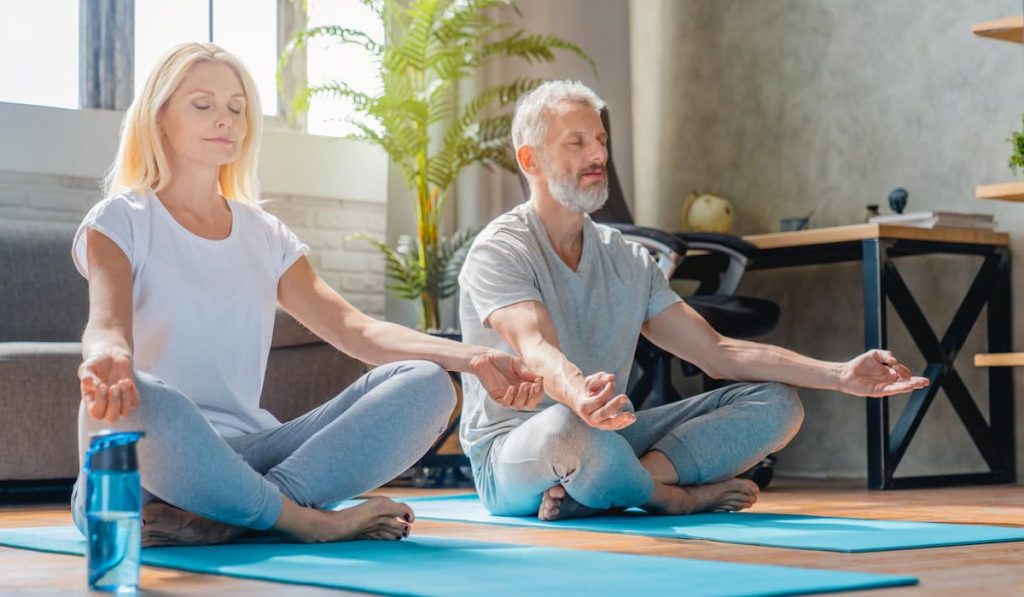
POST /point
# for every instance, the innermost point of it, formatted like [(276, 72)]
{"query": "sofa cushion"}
[(288, 332), (42, 296)]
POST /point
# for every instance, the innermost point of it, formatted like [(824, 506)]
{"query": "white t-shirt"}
[(203, 309)]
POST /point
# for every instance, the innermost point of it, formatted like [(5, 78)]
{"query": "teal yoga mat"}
[(849, 535), (425, 565)]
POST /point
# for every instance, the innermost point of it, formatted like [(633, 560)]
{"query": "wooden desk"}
[(877, 246)]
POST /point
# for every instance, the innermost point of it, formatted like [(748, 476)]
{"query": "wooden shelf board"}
[(999, 359), (1005, 29), (1005, 191)]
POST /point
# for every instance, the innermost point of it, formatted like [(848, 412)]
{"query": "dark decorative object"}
[(898, 199), (872, 211)]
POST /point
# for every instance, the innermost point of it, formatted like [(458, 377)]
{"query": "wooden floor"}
[(995, 569)]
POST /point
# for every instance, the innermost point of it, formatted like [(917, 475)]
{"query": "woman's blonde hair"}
[(141, 163)]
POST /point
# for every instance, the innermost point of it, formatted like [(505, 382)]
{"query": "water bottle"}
[(113, 504)]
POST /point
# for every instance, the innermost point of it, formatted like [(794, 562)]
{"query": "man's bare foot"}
[(557, 505), (725, 496), (376, 518), (165, 525)]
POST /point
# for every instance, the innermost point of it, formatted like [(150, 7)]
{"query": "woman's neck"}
[(194, 191)]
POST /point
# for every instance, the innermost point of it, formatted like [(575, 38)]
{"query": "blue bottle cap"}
[(113, 451)]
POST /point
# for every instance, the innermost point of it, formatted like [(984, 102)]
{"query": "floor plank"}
[(996, 569)]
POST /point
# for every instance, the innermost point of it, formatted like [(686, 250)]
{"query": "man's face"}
[(574, 157)]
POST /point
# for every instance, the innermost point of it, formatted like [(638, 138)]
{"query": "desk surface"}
[(855, 232)]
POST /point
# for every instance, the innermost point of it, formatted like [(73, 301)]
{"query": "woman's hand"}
[(508, 380), (108, 386)]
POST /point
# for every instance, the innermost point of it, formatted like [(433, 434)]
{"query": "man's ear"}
[(527, 159)]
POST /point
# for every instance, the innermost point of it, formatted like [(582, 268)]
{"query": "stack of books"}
[(937, 219)]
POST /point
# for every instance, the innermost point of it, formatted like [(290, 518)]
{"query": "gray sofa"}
[(43, 310)]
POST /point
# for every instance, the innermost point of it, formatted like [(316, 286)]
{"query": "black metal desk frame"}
[(882, 281)]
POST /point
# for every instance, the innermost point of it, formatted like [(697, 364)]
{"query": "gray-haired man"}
[(571, 297)]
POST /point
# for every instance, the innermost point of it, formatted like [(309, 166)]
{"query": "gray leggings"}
[(710, 437), (360, 439)]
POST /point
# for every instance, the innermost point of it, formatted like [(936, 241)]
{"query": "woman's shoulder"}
[(124, 201)]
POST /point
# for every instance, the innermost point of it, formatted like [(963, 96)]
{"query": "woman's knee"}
[(433, 385)]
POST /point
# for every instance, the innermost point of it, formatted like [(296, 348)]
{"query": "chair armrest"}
[(667, 249), (738, 251)]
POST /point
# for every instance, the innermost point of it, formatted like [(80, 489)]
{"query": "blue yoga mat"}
[(849, 535), (425, 565)]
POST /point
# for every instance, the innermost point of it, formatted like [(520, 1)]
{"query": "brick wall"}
[(352, 267)]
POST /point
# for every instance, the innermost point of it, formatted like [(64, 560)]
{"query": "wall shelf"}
[(999, 359), (1006, 29), (1006, 191)]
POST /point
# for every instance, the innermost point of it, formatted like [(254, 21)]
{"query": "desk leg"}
[(875, 254), (1000, 379)]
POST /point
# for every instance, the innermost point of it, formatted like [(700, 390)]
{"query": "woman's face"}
[(203, 122)]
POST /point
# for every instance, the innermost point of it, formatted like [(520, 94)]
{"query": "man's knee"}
[(572, 444), (785, 409)]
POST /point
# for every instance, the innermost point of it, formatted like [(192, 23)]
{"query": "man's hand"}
[(877, 373), (600, 407), (508, 380), (108, 386)]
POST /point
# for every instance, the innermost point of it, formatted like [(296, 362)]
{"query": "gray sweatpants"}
[(708, 438), (360, 439)]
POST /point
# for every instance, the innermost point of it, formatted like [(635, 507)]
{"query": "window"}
[(246, 28), (327, 61), (39, 53)]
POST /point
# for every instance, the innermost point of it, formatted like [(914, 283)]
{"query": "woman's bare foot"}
[(376, 518), (165, 525), (725, 496), (557, 505)]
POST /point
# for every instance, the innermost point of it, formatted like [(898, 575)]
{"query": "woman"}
[(184, 272)]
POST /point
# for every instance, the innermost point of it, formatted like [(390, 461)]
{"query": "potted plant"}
[(416, 117)]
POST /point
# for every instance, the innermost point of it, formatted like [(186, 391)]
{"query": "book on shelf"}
[(934, 219)]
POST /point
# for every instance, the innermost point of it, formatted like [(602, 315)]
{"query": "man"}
[(571, 297)]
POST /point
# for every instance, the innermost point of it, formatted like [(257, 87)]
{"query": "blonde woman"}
[(184, 273)]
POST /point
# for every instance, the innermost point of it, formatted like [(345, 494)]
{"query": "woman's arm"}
[(328, 315), (105, 375)]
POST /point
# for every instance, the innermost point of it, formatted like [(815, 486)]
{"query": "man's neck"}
[(563, 226)]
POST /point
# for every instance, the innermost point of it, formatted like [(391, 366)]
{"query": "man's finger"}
[(613, 408), (600, 399), (619, 421)]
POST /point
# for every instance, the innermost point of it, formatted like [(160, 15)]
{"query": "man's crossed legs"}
[(675, 459)]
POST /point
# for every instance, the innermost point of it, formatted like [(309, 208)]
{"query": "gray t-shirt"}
[(597, 310)]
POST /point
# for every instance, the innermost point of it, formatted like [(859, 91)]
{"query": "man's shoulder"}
[(512, 228)]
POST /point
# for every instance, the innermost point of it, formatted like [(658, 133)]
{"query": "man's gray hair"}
[(530, 123)]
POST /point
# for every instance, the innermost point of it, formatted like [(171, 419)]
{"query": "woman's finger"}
[(99, 405), (113, 403)]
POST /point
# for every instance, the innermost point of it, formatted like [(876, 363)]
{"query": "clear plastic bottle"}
[(113, 504)]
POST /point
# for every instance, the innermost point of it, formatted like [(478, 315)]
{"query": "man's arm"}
[(526, 326), (683, 332)]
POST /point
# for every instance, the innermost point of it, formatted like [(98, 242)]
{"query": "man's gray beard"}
[(568, 192)]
